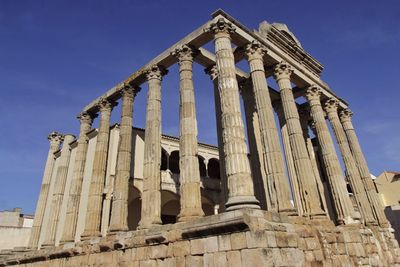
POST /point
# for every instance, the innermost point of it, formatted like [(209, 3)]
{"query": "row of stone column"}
[(237, 183)]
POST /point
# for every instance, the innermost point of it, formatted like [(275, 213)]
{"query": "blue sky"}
[(56, 56)]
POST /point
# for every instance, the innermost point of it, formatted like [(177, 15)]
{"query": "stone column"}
[(273, 159), (190, 197), (264, 189), (295, 184), (58, 194), (345, 117), (352, 173), (151, 196), (304, 121), (71, 218), (213, 72), (342, 203), (119, 210), (55, 141), (96, 189), (311, 202), (240, 184)]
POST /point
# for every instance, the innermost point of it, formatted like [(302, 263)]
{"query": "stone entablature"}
[(119, 185)]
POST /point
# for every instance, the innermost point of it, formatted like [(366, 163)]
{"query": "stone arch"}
[(134, 207), (164, 160), (202, 166), (213, 168), (174, 162), (170, 206)]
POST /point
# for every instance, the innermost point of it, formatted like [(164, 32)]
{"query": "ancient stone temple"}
[(276, 195)]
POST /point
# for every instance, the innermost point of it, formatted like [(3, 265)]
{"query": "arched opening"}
[(174, 162), (164, 160), (134, 208), (170, 207), (213, 169), (202, 166)]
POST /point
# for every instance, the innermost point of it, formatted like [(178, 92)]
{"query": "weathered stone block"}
[(238, 241), (208, 259), (181, 248), (159, 251), (224, 242), (194, 261), (256, 239), (271, 240), (234, 258), (220, 259)]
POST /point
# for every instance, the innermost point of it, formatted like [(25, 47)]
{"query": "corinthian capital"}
[(129, 90), (331, 105), (105, 105), (345, 115), (86, 117), (255, 50), (156, 72), (313, 92), (282, 70), (221, 26), (212, 71), (184, 53), (55, 138)]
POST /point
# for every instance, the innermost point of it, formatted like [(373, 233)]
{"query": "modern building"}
[(15, 229), (388, 187)]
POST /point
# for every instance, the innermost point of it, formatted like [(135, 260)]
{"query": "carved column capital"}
[(55, 138), (221, 26), (185, 53), (282, 70), (105, 105), (86, 117), (155, 72), (313, 92), (345, 115), (212, 71), (255, 50), (331, 105), (129, 90)]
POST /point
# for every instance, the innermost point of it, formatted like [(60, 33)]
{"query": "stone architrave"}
[(71, 218), (312, 204), (352, 172), (96, 188), (273, 158), (58, 194), (345, 117), (55, 141), (119, 210), (213, 72), (343, 207), (240, 184), (151, 195), (190, 196)]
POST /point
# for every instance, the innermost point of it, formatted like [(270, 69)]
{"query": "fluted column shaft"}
[(352, 171), (151, 195), (342, 203), (96, 188), (345, 117), (71, 218), (295, 184), (58, 194), (190, 197), (264, 189), (273, 158), (55, 141), (119, 210), (240, 184), (311, 202), (213, 72)]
